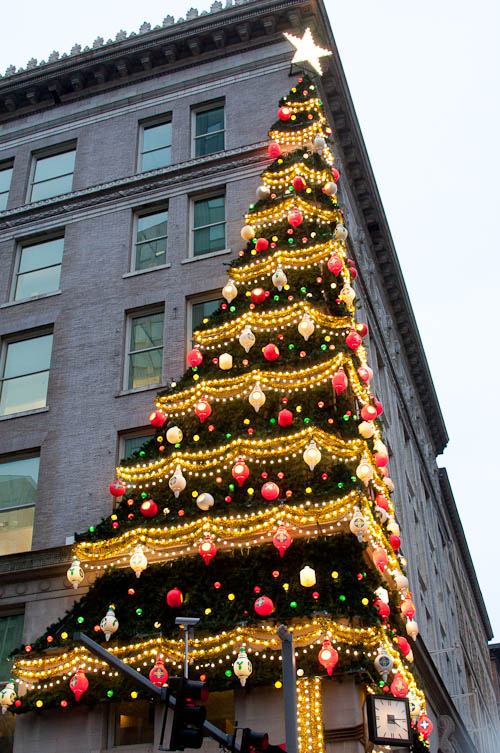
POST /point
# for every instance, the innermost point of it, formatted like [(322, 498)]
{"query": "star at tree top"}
[(307, 51)]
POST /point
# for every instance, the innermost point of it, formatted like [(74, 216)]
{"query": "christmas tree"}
[(264, 496)]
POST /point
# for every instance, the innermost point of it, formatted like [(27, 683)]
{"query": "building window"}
[(145, 351), (39, 269), (133, 442), (156, 146), (199, 311), (25, 374), (18, 487), (150, 248), (208, 130), (134, 723), (5, 178), (53, 175), (209, 225)]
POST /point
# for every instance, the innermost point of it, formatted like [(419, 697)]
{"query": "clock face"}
[(389, 720)]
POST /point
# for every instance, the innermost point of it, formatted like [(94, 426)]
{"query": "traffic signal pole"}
[(289, 688), (161, 694)]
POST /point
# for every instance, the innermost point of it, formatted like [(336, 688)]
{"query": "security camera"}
[(187, 621)]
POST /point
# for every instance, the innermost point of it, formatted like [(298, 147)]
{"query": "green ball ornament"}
[(293, 604), (228, 436), (303, 290), (142, 453), (91, 529), (231, 487), (340, 485), (138, 611), (353, 478), (177, 445), (110, 693), (291, 346), (144, 495), (228, 673), (342, 597), (80, 620), (290, 241), (323, 347), (232, 309), (272, 420), (307, 420), (276, 298)]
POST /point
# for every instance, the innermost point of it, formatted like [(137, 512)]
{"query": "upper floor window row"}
[(52, 171)]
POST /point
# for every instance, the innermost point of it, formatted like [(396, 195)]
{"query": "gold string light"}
[(310, 715), (268, 217)]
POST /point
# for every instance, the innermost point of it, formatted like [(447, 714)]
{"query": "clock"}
[(389, 720)]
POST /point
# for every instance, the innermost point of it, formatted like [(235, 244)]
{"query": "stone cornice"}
[(458, 532), (221, 32), (216, 166)]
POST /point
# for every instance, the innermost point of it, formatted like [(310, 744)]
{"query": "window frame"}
[(209, 295), (146, 212), (7, 165), (17, 456), (212, 194), (205, 107), (19, 337), (144, 431), (158, 120), (53, 151), (135, 314), (28, 242), (13, 611)]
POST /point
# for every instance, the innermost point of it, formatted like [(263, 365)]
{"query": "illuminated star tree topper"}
[(307, 51)]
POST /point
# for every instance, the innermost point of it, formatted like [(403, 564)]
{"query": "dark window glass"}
[(209, 131), (53, 175), (151, 240), (156, 146), (202, 310), (39, 269), (209, 225)]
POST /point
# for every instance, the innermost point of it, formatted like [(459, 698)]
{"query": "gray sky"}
[(424, 80)]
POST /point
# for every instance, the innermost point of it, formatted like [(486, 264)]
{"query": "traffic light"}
[(187, 725), (253, 741)]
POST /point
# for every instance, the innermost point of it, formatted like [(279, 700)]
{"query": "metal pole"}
[(289, 689), (161, 693), (186, 649)]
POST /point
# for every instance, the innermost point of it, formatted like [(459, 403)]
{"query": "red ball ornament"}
[(276, 573), (194, 357), (117, 488), (353, 272), (403, 645), (353, 340), (335, 174), (364, 374), (149, 508), (381, 459), (203, 409), (274, 150), (362, 329), (395, 541), (271, 352), (328, 656), (159, 675), (79, 683), (339, 381), (281, 540), (298, 183), (380, 558), (382, 608), (368, 413), (285, 417), (408, 608), (207, 549), (295, 217), (399, 686), (18, 702), (240, 471), (263, 606), (174, 598), (424, 726), (335, 264), (262, 244), (258, 295), (284, 113), (382, 501), (157, 418), (270, 491), (378, 407)]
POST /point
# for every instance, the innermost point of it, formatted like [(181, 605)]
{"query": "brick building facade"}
[(124, 174)]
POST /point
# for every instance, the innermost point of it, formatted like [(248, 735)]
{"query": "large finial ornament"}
[(307, 51)]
